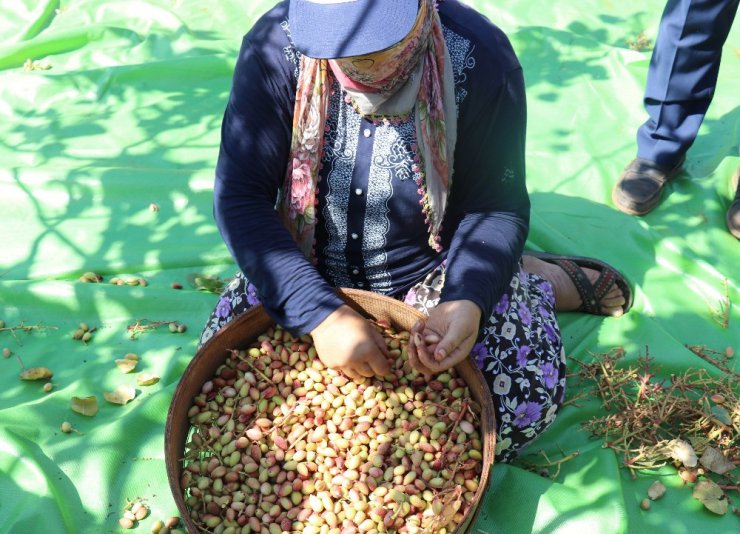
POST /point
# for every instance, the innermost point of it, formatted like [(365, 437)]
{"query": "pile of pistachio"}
[(280, 443)]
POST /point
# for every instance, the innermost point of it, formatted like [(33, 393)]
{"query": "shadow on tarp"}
[(571, 225), (108, 189), (32, 483), (718, 139), (540, 52), (545, 505)]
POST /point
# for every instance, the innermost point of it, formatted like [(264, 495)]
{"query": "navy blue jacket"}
[(371, 232)]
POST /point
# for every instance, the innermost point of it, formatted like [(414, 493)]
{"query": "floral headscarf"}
[(417, 71)]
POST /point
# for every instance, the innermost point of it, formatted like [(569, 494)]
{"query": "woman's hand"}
[(347, 341), (445, 338)]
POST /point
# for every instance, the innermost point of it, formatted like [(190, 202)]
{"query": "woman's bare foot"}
[(566, 294)]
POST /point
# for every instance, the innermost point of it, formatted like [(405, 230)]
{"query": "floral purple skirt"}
[(519, 350)]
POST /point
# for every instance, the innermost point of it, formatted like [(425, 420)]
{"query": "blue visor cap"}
[(331, 29)]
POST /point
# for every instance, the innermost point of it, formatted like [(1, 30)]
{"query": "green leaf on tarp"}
[(721, 414), (711, 496), (87, 406), (714, 461), (206, 282)]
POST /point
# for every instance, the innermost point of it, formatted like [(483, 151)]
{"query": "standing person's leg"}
[(680, 85)]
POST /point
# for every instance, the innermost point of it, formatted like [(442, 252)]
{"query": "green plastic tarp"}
[(110, 106)]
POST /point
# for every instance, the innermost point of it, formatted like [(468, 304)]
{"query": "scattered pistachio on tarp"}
[(48, 387), (645, 504), (91, 278), (729, 352), (154, 207), (7, 353), (177, 328), (66, 427), (30, 65), (176, 285), (172, 522), (139, 510), (688, 475), (83, 332)]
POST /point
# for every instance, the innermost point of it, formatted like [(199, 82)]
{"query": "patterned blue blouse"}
[(371, 232)]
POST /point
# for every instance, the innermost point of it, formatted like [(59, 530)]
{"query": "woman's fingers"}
[(426, 357), (413, 347), (418, 327), (350, 373), (377, 357), (448, 344), (378, 366), (364, 369)]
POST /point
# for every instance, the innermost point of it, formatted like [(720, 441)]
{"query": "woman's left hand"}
[(445, 338)]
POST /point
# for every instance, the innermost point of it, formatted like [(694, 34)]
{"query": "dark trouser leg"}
[(682, 76)]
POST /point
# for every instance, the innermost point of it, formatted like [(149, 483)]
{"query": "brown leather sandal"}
[(591, 294)]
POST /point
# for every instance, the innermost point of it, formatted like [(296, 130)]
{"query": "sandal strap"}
[(591, 294)]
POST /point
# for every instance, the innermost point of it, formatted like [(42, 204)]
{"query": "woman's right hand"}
[(347, 341)]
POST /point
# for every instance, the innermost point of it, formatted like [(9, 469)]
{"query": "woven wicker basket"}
[(245, 328)]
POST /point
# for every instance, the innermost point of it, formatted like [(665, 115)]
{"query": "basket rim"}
[(175, 438)]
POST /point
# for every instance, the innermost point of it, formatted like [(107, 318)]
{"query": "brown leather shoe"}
[(641, 184), (733, 213)]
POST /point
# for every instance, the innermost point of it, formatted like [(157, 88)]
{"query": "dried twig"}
[(721, 314), (144, 325), (646, 411), (543, 468), (704, 353), (25, 328)]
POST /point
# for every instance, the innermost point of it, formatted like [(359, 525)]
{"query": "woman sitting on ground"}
[(392, 134)]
